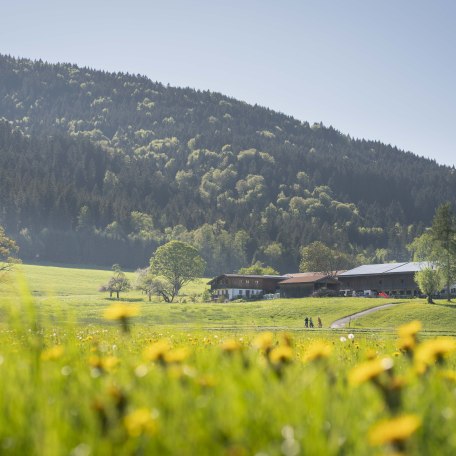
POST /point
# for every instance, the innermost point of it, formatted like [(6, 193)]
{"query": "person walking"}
[(306, 322), (320, 324), (311, 323)]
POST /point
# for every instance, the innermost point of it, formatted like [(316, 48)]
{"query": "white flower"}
[(343, 339), (351, 336)]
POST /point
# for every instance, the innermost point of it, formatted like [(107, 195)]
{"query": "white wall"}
[(236, 292)]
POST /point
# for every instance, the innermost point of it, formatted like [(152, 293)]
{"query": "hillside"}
[(98, 168)]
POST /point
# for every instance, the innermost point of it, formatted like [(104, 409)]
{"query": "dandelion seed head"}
[(66, 371), (141, 370)]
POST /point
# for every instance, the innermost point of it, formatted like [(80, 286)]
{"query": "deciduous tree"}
[(258, 268), (176, 264), (430, 281), (443, 233), (8, 251), (118, 282), (318, 257)]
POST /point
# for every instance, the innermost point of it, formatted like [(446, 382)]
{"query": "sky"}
[(380, 70)]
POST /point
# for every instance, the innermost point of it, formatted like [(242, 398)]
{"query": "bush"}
[(325, 293)]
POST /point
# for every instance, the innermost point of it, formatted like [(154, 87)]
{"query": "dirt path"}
[(343, 321)]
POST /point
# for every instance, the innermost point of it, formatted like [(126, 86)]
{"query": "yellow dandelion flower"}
[(286, 339), (263, 341), (120, 311), (281, 354), (434, 350), (109, 363), (207, 381), (176, 356), (230, 346), (369, 370), (316, 351), (52, 353), (156, 351), (410, 329), (95, 361), (140, 421), (407, 343), (449, 375), (370, 354), (394, 430)]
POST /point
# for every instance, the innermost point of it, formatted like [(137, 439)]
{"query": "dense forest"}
[(101, 168)]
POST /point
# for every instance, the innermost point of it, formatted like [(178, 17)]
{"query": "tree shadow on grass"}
[(124, 299), (451, 305)]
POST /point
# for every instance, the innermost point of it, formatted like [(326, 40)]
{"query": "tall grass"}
[(130, 388)]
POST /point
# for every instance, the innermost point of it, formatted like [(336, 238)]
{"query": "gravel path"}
[(343, 321)]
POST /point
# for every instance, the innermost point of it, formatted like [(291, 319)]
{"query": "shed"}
[(304, 284)]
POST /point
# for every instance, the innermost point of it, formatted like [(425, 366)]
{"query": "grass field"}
[(233, 379), (76, 291)]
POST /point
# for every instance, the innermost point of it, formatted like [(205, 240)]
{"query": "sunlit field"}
[(81, 374)]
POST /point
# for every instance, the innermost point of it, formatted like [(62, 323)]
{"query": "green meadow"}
[(75, 293), (82, 374)]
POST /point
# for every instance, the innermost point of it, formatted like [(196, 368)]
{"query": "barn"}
[(393, 279), (303, 284)]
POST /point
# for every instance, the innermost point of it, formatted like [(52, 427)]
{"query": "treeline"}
[(113, 165)]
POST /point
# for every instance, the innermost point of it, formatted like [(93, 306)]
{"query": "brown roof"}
[(250, 276), (307, 277)]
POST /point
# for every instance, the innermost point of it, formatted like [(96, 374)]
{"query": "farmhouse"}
[(304, 284), (233, 286), (395, 279)]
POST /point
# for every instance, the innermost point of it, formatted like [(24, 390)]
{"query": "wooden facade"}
[(396, 279), (231, 286), (304, 284)]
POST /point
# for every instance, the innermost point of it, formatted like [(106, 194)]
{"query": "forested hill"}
[(100, 168)]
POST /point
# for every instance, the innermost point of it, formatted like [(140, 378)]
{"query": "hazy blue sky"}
[(382, 69)]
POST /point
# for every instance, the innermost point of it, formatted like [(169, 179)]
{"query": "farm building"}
[(231, 286), (304, 284), (395, 279)]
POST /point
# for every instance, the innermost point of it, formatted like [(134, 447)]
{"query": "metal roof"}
[(307, 277), (387, 268), (411, 267)]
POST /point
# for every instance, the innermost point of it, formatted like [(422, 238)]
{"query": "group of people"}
[(308, 322)]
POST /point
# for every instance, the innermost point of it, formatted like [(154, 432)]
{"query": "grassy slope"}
[(76, 291), (435, 317)]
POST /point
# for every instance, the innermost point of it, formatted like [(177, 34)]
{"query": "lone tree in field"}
[(430, 281), (118, 282), (8, 250), (176, 264), (151, 285)]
